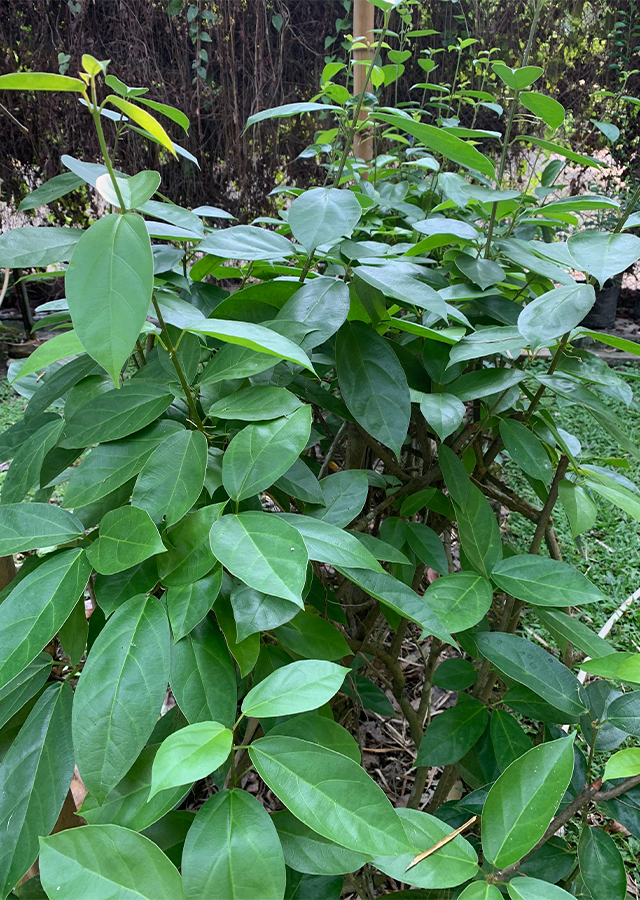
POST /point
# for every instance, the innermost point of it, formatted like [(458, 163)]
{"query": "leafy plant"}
[(259, 490)]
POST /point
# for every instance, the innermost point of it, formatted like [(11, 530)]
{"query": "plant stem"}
[(95, 112)]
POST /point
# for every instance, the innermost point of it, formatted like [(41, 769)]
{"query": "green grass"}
[(11, 405)]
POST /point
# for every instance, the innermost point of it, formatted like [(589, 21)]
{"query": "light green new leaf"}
[(443, 413), (480, 890), (26, 684), (135, 190), (623, 666), (602, 254), (260, 453), (109, 283), (127, 537), (330, 793), (24, 471), (453, 733), (256, 404), (144, 119), (263, 551), (120, 692), (172, 478), (601, 865), (460, 600), (37, 606), (322, 216), (329, 544), (546, 108), (203, 676), (31, 526), (40, 81), (298, 687), (190, 754), (523, 801), (306, 851), (232, 850), (188, 604), (34, 780), (115, 861), (623, 764), (553, 314), (544, 582), (59, 347), (247, 242)]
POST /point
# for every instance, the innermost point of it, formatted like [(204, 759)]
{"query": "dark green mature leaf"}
[(509, 740), (188, 604), (34, 780), (15, 694), (112, 590), (115, 861), (172, 478), (454, 674), (479, 532), (602, 254), (454, 864), (453, 733), (30, 526), (524, 799), (36, 608), (526, 450), (169, 833), (24, 471), (190, 754), (306, 851), (300, 482), (262, 550), (113, 264), (254, 611), (624, 713), (544, 582), (320, 730), (312, 887), (576, 632), (601, 865), (460, 600), (330, 793), (427, 546), (260, 453), (528, 703), (232, 850), (344, 495), (373, 384), (533, 667), (312, 637), (116, 414), (120, 693), (329, 544), (553, 314), (30, 247), (189, 555), (322, 216), (256, 404), (321, 305), (244, 652), (485, 383), (203, 677), (298, 687), (127, 537)]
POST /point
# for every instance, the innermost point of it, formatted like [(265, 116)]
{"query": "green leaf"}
[(624, 713), (29, 247), (460, 600), (113, 265), (254, 611), (401, 598), (321, 305), (619, 665), (601, 866), (580, 508), (479, 532), (112, 590), (443, 412), (330, 793), (30, 526), (34, 780), (190, 754), (602, 254), (455, 675), (73, 633), (203, 677), (244, 652), (120, 693), (526, 450), (322, 216), (523, 801), (344, 494), (526, 702), (288, 109), (262, 550), (553, 314), (306, 851), (453, 733), (394, 281), (623, 764), (544, 582), (480, 890), (574, 631), (483, 272), (312, 637), (247, 242), (536, 669), (40, 81), (260, 453), (508, 739), (51, 190), (144, 119), (329, 544), (534, 889), (517, 79), (453, 864), (24, 471), (439, 141), (135, 191), (232, 850), (188, 604), (427, 546), (546, 108), (172, 478), (256, 404), (36, 608), (169, 833), (115, 861), (26, 684), (189, 555), (300, 482), (170, 112), (373, 384), (298, 687), (254, 337), (56, 383), (59, 347), (314, 887), (116, 414), (320, 730), (127, 537)]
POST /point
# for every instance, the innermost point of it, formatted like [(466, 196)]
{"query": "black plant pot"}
[(602, 314)]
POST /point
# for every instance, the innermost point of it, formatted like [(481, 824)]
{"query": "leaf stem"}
[(95, 112)]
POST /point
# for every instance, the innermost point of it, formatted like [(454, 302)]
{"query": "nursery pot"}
[(603, 312)]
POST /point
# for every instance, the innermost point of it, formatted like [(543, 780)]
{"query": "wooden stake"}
[(442, 843)]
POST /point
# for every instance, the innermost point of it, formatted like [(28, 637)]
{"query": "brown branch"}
[(547, 509)]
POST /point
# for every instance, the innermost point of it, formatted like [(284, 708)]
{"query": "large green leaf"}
[(536, 669), (544, 582), (427, 546), (108, 284), (56, 383), (24, 471), (546, 108), (480, 890), (254, 337), (34, 780), (330, 793), (602, 254), (127, 537), (454, 864), (312, 637), (298, 687), (256, 404), (116, 862), (576, 632), (262, 452), (624, 713), (263, 551), (203, 677), (40, 81), (460, 600), (188, 604), (479, 532), (623, 764), (247, 242), (232, 850), (395, 281), (190, 754), (300, 482), (31, 247), (329, 544), (601, 865), (553, 314), (373, 383), (321, 305), (307, 851), (189, 557), (30, 526), (322, 216), (26, 684), (120, 693), (453, 733), (523, 801), (319, 729), (36, 608), (116, 414), (172, 478)]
